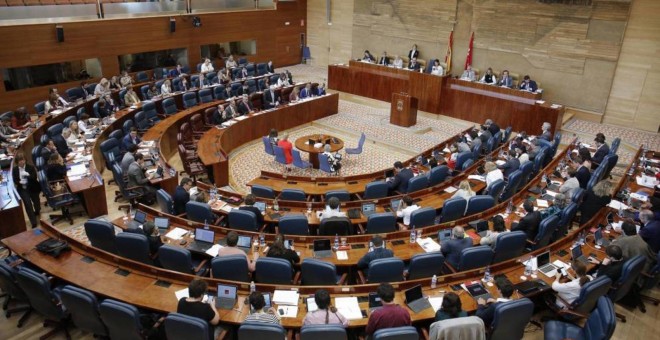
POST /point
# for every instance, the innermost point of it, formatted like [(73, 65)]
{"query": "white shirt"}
[(398, 63), (82, 126), (327, 213), (281, 82), (568, 291), (24, 177), (406, 212), (524, 158), (207, 68), (437, 70), (100, 90), (164, 89), (494, 176)]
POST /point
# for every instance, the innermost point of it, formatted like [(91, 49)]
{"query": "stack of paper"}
[(477, 177), (500, 162), (551, 193), (348, 307), (542, 203), (450, 189), (311, 304), (183, 293), (286, 297), (77, 169), (342, 255), (435, 302), (176, 233), (213, 251), (428, 244), (646, 181), (239, 118), (616, 205)]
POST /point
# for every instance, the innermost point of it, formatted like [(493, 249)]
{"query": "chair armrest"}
[(531, 243), (342, 279), (361, 228), (361, 278), (159, 322), (261, 229), (358, 196), (450, 267), (425, 333), (571, 312), (222, 335), (289, 334), (296, 278), (181, 215), (201, 265)]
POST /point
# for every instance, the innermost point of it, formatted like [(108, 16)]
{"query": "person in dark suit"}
[(582, 174), (271, 98), (400, 180), (56, 170), (413, 53), (602, 150), (269, 67), (62, 147), (131, 139), (492, 126), (249, 206), (528, 84), (486, 308), (612, 265), (306, 92), (218, 115), (27, 185), (413, 65), (182, 195), (506, 80), (650, 232), (594, 199), (231, 110), (245, 107), (136, 178), (48, 149), (530, 223), (546, 134), (485, 135), (153, 236), (512, 164), (452, 248), (379, 252), (384, 59)]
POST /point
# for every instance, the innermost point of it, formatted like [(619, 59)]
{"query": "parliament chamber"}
[(172, 170)]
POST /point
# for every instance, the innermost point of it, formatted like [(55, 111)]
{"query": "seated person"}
[(528, 84), (70, 138), (451, 308), (570, 291), (271, 98), (559, 202), (61, 143), (413, 65), (283, 80), (437, 69), (491, 235), (277, 249), (153, 236), (530, 222), (570, 182), (492, 126), (368, 57), (650, 232), (231, 63), (231, 249), (257, 302), (384, 59), (166, 88), (273, 137), (545, 132), (245, 107), (7, 131), (399, 182), (136, 178), (489, 77), (231, 111), (307, 91), (334, 159), (486, 308), (218, 115), (20, 119), (182, 195), (492, 173), (612, 264), (602, 150), (193, 305), (129, 157), (469, 74), (56, 170), (398, 62), (332, 209), (326, 313), (295, 94), (85, 126), (632, 244), (506, 80), (153, 92), (405, 209), (452, 248), (388, 316), (464, 190), (131, 138), (287, 149), (594, 199), (379, 252), (512, 164), (249, 201)]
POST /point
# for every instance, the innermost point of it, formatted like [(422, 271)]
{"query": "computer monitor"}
[(162, 223), (204, 235)]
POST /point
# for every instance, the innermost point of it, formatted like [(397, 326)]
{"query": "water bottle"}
[(371, 246), (509, 208), (262, 240), (253, 287), (620, 211), (413, 235), (206, 224), (487, 277), (528, 267), (276, 206), (434, 281), (545, 178), (336, 241)]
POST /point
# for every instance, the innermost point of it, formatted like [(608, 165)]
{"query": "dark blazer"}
[(270, 99), (400, 181), (494, 128), (612, 270), (546, 136), (304, 93), (384, 61), (452, 249), (413, 54), (413, 67), (510, 166), (270, 68), (600, 154), (591, 204), (217, 118), (583, 176), (56, 172), (288, 254), (485, 136), (46, 153), (256, 211), (32, 184), (378, 253), (529, 224), (181, 197), (532, 87), (126, 142), (244, 108), (62, 147)]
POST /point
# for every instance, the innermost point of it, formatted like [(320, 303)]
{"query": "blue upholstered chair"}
[(425, 265), (293, 225), (133, 247), (358, 149), (495, 189), (101, 234), (383, 270), (200, 212), (323, 332), (165, 202), (169, 106), (243, 220), (453, 209), (205, 96), (422, 217), (273, 270), (342, 195), (189, 100), (513, 183), (230, 267), (43, 300), (150, 113), (293, 195), (546, 230), (375, 190), (183, 327), (180, 260), (262, 191), (438, 175), (260, 330), (13, 292), (472, 258), (298, 162), (509, 245), (379, 223), (279, 155), (84, 309), (630, 272), (510, 319), (461, 158), (586, 301), (324, 165), (316, 272), (417, 183), (600, 324), (121, 319), (268, 147), (479, 203), (396, 333)]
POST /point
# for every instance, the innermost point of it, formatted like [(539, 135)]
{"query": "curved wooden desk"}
[(301, 144), (216, 144)]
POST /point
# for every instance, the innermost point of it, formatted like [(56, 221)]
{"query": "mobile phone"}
[(563, 272)]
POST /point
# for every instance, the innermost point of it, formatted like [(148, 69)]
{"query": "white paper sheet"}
[(500, 162), (428, 244), (213, 251), (436, 302), (342, 255), (286, 297), (176, 233), (349, 307), (616, 205), (450, 189), (542, 203), (183, 293), (477, 177)]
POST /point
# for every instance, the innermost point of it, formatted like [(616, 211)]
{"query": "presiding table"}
[(302, 144)]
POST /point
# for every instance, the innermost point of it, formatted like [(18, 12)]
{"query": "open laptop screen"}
[(226, 291), (261, 206), (140, 216), (414, 293), (244, 241), (162, 223), (204, 235), (374, 300), (543, 259), (395, 203), (576, 252), (368, 207), (321, 245)]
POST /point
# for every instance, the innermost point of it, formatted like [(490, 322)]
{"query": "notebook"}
[(477, 290)]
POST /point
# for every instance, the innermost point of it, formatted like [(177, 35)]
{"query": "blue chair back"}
[(509, 245), (476, 151), (498, 138), (144, 89), (538, 161), (423, 217), (511, 318), (199, 212), (425, 265), (273, 270), (324, 165), (475, 257), (293, 195), (417, 183), (68, 120), (122, 320), (315, 272), (268, 147), (294, 225), (183, 327), (565, 220), (632, 268), (577, 196), (495, 189), (438, 175), (490, 145), (546, 230), (526, 169), (117, 134), (262, 191), (189, 100), (611, 161), (235, 86), (40, 108), (342, 195), (169, 106), (396, 333), (39, 293), (375, 190), (515, 178), (205, 96), (74, 93), (243, 220), (165, 202), (323, 332), (84, 309), (150, 112), (507, 133), (101, 234), (126, 127), (133, 247), (36, 153), (555, 143), (385, 270), (279, 155), (467, 164), (453, 209), (260, 330), (615, 145), (175, 258), (461, 158), (219, 92), (261, 69), (379, 223), (141, 122), (479, 203), (230, 267), (358, 149), (55, 130), (298, 162), (589, 294)]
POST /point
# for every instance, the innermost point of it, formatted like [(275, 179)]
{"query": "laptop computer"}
[(545, 266), (598, 235), (576, 253), (415, 300), (374, 302), (226, 297), (444, 235), (478, 291), (368, 209), (480, 226), (322, 249), (138, 220), (395, 203), (261, 206), (162, 223), (203, 240)]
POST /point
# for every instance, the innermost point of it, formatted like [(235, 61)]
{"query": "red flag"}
[(468, 60), (449, 52)]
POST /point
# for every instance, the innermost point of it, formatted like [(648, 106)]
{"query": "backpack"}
[(53, 247)]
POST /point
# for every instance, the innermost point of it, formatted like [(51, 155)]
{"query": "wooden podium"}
[(403, 111)]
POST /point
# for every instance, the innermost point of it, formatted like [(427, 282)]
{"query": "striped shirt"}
[(263, 318)]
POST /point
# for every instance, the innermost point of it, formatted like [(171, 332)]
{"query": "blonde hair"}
[(603, 188), (489, 166), (465, 185)]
